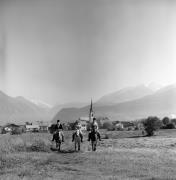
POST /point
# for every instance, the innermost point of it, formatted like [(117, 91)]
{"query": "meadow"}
[(120, 155)]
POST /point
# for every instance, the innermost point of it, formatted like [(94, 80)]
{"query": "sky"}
[(62, 51)]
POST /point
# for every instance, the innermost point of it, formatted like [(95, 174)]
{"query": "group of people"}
[(93, 129)]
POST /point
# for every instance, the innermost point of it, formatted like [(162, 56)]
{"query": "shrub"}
[(108, 125), (151, 124), (173, 121), (17, 131), (3, 131), (88, 127), (71, 125), (112, 128), (169, 126), (52, 128)]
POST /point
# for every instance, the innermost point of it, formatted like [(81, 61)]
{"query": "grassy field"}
[(125, 155)]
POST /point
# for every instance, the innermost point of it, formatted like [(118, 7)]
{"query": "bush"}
[(151, 124), (173, 121), (108, 125), (71, 125), (111, 128), (88, 127), (169, 126), (52, 128), (3, 131), (17, 131)]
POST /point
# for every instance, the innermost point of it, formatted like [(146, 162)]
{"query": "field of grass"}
[(122, 155)]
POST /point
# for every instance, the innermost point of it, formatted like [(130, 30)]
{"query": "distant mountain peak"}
[(154, 86), (125, 94), (41, 103), (171, 87)]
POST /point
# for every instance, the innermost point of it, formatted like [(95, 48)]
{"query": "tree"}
[(169, 126), (71, 125), (165, 120), (151, 124), (52, 128), (17, 130), (28, 123), (108, 126)]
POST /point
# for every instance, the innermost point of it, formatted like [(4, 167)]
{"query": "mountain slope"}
[(57, 108), (126, 94), (19, 110), (160, 103)]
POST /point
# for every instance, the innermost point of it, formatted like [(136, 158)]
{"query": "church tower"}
[(91, 113)]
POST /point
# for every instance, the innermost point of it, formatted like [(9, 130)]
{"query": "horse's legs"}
[(95, 144), (75, 145), (92, 145), (59, 146), (79, 146)]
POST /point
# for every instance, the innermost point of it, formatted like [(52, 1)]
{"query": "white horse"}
[(77, 138)]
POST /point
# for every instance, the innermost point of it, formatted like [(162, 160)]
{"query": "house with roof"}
[(43, 126), (84, 121), (32, 128)]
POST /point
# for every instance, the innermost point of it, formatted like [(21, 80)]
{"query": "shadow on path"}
[(138, 136), (63, 150)]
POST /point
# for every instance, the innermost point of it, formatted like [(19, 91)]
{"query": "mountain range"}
[(125, 94), (20, 110), (128, 104)]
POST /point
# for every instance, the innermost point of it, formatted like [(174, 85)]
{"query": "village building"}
[(32, 128), (119, 126), (43, 126), (84, 122), (39, 126)]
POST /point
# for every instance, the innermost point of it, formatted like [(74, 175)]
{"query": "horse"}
[(93, 137), (58, 138), (77, 138)]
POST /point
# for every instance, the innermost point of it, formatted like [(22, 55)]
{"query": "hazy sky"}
[(71, 50)]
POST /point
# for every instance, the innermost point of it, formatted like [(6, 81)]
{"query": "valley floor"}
[(125, 155)]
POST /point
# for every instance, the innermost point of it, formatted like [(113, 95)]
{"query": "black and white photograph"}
[(87, 89)]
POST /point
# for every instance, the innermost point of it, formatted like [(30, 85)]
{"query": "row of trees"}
[(151, 124)]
